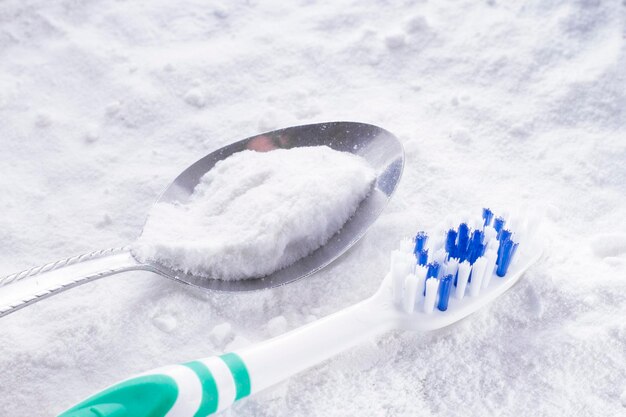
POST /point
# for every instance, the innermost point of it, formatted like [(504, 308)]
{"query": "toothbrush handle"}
[(27, 287), (206, 386)]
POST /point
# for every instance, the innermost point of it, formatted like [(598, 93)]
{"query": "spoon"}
[(378, 147)]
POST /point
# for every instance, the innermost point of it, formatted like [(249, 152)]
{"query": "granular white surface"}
[(497, 103), (257, 212)]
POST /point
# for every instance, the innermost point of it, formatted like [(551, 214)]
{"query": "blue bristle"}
[(466, 245), (422, 257), (444, 292), (505, 254), (498, 224), (433, 270), (487, 216), (476, 247), (500, 248), (451, 243), (463, 240), (420, 242), (504, 235)]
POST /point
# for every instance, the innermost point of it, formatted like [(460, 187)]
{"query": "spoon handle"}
[(23, 288), (209, 385)]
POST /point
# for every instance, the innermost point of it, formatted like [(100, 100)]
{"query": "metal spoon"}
[(380, 148)]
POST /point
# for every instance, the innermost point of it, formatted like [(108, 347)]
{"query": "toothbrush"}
[(431, 284)]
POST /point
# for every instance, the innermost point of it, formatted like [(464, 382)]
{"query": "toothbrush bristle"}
[(410, 291), (462, 241), (505, 254), (504, 235), (489, 233), (462, 262), (406, 245), (487, 216), (498, 224), (491, 256), (433, 270), (430, 296), (440, 256), (422, 257), (476, 248), (462, 278), (444, 292), (420, 242), (451, 242), (452, 266), (478, 272)]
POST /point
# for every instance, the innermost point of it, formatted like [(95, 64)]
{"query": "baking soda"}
[(257, 212)]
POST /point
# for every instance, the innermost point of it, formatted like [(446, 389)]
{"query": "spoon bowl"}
[(378, 147)]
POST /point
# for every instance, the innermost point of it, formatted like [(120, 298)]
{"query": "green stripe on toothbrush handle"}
[(210, 396), (240, 374), (142, 396), (154, 395)]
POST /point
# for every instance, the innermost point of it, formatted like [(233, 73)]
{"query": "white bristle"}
[(520, 236), (407, 245), (398, 272), (478, 272), (394, 258), (434, 244), (511, 216), (464, 271), (420, 273), (432, 287), (402, 264), (491, 256), (440, 256), (410, 292), (412, 260), (452, 266), (490, 234), (413, 290), (515, 237)]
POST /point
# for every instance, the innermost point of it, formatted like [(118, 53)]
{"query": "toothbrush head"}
[(474, 266)]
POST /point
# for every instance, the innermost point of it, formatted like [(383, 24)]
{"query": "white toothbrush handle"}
[(279, 358), (206, 386), (24, 288)]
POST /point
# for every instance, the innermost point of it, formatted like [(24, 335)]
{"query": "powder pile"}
[(498, 103), (257, 212)]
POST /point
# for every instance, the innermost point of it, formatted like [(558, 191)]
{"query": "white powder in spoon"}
[(257, 212)]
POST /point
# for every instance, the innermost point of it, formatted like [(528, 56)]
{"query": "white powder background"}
[(103, 103), (255, 213)]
